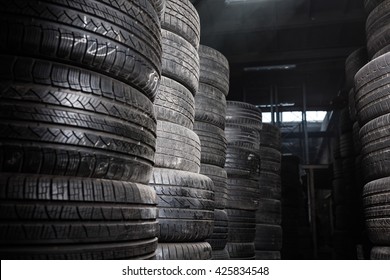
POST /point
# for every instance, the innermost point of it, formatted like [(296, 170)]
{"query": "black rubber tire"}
[(376, 197), (375, 148), (181, 17), (380, 253), (242, 137), (270, 160), (267, 255), (241, 251), (219, 177), (242, 163), (270, 136), (219, 237), (180, 60), (354, 62), (185, 203), (70, 133), (42, 212), (220, 255), (175, 103), (118, 38), (370, 5), (213, 144), (357, 145), (242, 227), (268, 237), (243, 193), (352, 105), (159, 5), (269, 212), (270, 186), (214, 69), (377, 26), (177, 148), (243, 114), (210, 104), (346, 145), (372, 93), (183, 251)]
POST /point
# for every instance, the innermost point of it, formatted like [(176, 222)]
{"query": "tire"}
[(65, 132), (372, 94), (354, 62), (214, 69), (243, 114), (243, 194), (160, 7), (375, 148), (241, 251), (267, 255), (377, 25), (346, 145), (181, 17), (185, 203), (219, 177), (180, 61), (213, 144), (357, 145), (269, 212), (270, 186), (376, 205), (139, 250), (242, 163), (242, 137), (175, 103), (370, 5), (380, 253), (268, 237), (352, 105), (177, 148), (270, 137), (270, 160), (242, 227), (42, 212), (219, 237), (220, 255), (183, 251), (210, 104), (121, 39)]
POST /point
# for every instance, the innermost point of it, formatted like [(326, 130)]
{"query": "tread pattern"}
[(175, 103), (184, 251), (241, 251), (243, 114), (219, 237), (377, 25), (267, 255), (243, 194), (220, 254), (177, 148), (268, 237), (270, 136), (242, 137), (219, 177), (269, 212), (117, 38), (380, 253), (242, 163), (242, 227)]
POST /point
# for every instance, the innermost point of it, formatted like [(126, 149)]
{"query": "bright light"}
[(296, 116)]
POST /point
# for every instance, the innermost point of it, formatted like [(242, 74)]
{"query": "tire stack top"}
[(243, 123), (268, 240), (78, 129), (185, 197), (210, 104)]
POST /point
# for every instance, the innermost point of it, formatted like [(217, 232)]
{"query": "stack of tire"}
[(78, 132), (210, 104), (268, 240), (297, 241), (185, 198), (243, 123), (373, 109)]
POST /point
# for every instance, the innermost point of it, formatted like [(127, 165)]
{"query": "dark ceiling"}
[(312, 37)]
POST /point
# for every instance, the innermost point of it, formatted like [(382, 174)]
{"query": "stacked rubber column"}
[(185, 198), (297, 241), (78, 131), (210, 104), (243, 123), (268, 240), (372, 106)]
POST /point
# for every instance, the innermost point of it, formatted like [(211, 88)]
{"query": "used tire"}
[(380, 253), (220, 254), (377, 26), (270, 186), (369, 5), (270, 136), (354, 62), (183, 251), (267, 255), (219, 177), (243, 194), (241, 251), (268, 237), (269, 212), (243, 114), (242, 227), (242, 137), (219, 237), (242, 163)]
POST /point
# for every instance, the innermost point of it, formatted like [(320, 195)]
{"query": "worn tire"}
[(219, 177), (185, 203), (159, 5), (243, 114), (220, 255), (213, 144), (180, 60), (377, 25), (241, 251), (268, 237), (369, 5), (354, 62), (175, 103), (270, 160), (120, 39), (243, 193), (219, 237), (269, 212), (352, 105), (242, 227), (210, 104), (270, 186), (242, 163), (376, 197), (214, 69), (270, 136), (181, 17), (267, 255), (242, 137), (183, 251), (177, 148), (380, 253)]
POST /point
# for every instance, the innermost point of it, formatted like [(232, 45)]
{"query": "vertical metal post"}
[(312, 210), (304, 124), (277, 104), (272, 104)]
